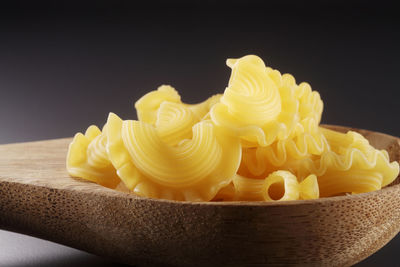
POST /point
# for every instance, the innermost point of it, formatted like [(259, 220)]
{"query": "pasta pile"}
[(258, 141)]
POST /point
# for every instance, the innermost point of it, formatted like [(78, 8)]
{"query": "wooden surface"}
[(37, 197)]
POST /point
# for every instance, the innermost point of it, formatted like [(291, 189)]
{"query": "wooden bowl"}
[(37, 197)]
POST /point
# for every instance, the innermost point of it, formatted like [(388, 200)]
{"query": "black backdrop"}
[(65, 64)]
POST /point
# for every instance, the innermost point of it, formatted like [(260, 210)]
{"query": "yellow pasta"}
[(174, 122), (284, 153), (250, 102), (258, 141), (341, 142), (226, 193), (201, 110), (261, 106), (352, 165), (249, 189), (309, 188), (194, 170), (335, 182), (148, 106), (87, 158), (310, 104), (280, 185)]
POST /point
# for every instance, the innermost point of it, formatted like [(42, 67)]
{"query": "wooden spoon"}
[(37, 197)]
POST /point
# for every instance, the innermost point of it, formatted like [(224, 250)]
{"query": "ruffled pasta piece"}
[(148, 106), (259, 159), (283, 154), (252, 97), (194, 170), (262, 106), (310, 103), (172, 118), (374, 171), (87, 158), (341, 142), (250, 101), (352, 165), (174, 122), (280, 185), (201, 110)]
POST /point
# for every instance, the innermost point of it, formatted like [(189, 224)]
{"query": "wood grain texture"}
[(37, 197)]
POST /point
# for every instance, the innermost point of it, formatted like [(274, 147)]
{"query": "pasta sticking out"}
[(258, 141), (194, 170), (261, 106), (280, 185), (87, 158)]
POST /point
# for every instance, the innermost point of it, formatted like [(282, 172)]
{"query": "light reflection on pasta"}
[(195, 169), (261, 106), (258, 141)]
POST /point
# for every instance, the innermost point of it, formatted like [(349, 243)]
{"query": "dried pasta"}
[(87, 158), (258, 141), (352, 165), (280, 185), (194, 170), (261, 106), (148, 106)]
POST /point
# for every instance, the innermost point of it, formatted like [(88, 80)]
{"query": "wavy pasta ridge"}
[(201, 110), (148, 105), (282, 118), (311, 105), (195, 170), (174, 122), (175, 165), (352, 159), (87, 158), (261, 160), (341, 142), (97, 153)]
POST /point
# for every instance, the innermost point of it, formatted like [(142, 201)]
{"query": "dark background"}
[(65, 64)]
